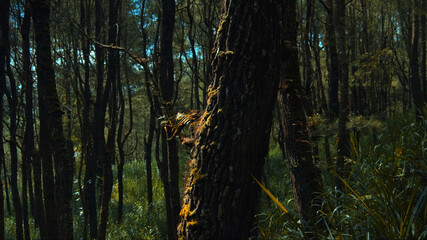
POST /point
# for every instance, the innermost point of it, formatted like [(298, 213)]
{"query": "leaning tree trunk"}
[(48, 96), (233, 134), (305, 176)]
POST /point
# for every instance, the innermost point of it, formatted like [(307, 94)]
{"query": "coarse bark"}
[(53, 116), (232, 138), (305, 176)]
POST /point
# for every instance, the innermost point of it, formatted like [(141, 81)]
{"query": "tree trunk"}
[(4, 36), (148, 143), (110, 96), (169, 148), (416, 92), (332, 56), (55, 135), (423, 49), (305, 176), (12, 99), (29, 130), (232, 138), (342, 138), (89, 161)]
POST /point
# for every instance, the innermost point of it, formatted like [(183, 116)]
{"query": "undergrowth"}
[(384, 196)]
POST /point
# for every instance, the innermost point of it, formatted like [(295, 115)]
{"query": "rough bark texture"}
[(233, 134), (49, 98), (305, 176)]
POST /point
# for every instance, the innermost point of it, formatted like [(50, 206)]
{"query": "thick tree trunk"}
[(305, 176), (233, 135), (55, 138)]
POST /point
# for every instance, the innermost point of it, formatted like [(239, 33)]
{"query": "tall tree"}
[(332, 60), (56, 141), (416, 92), (110, 96), (12, 99), (342, 138), (233, 134), (169, 149), (305, 176), (29, 129), (4, 36)]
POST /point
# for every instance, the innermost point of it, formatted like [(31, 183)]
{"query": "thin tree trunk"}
[(148, 143), (305, 176), (342, 138), (4, 36), (13, 104), (113, 73), (416, 92), (169, 148), (53, 113), (29, 130), (424, 49), (332, 55)]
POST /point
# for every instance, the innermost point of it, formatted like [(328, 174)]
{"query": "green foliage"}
[(386, 192)]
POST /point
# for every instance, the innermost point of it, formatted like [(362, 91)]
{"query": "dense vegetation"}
[(135, 119)]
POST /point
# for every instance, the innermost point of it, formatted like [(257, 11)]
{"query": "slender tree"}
[(52, 114), (305, 176), (29, 129), (342, 138), (4, 35), (169, 149)]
